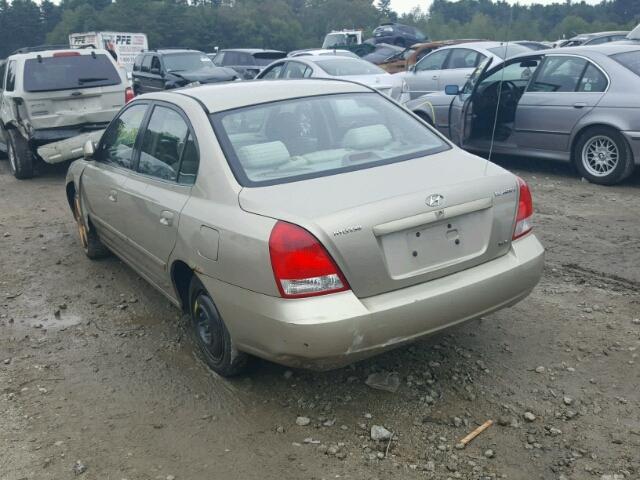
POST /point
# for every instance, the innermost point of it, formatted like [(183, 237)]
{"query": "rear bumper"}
[(634, 142), (333, 330), (42, 136)]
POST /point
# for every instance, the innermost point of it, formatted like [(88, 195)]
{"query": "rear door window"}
[(273, 72), (69, 72), (463, 58), (558, 74), (118, 143), (296, 70), (163, 142), (434, 61), (146, 63)]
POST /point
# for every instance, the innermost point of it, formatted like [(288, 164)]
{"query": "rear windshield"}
[(73, 72), (631, 60), (264, 59), (179, 62), (344, 67), (506, 51), (312, 137)]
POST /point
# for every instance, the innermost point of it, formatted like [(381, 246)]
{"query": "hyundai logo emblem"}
[(435, 200)]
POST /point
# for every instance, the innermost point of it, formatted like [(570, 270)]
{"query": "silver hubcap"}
[(12, 156), (600, 156)]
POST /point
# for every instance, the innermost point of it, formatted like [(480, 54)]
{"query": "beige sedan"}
[(308, 222)]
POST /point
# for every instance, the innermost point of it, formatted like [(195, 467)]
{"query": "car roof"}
[(168, 51), (599, 34), (230, 95), (479, 45), (250, 50), (50, 53), (604, 48)]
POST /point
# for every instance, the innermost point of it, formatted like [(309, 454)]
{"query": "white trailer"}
[(126, 46)]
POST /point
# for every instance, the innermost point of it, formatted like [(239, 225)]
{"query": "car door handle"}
[(166, 218), (113, 196), (579, 105), (435, 77)]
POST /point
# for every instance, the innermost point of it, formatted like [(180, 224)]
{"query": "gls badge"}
[(435, 200)]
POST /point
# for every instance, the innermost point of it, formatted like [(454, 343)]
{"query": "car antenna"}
[(495, 118)]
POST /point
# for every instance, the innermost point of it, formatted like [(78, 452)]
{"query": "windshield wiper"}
[(91, 79)]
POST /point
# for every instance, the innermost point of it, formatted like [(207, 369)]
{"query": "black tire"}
[(425, 117), (211, 334), (603, 156), (21, 158), (89, 240)]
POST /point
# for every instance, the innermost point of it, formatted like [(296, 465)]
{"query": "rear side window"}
[(593, 80), (162, 144), (119, 140), (3, 67), (463, 58), (69, 72), (146, 63), (11, 76), (137, 63), (630, 60)]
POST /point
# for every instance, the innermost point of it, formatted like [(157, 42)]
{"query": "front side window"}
[(69, 71), (434, 61), (162, 145), (558, 74), (118, 143), (219, 59), (344, 67), (155, 64), (518, 73), (318, 136)]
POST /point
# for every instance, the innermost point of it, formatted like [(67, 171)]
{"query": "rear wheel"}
[(602, 156), (211, 334), (91, 244), (20, 156)]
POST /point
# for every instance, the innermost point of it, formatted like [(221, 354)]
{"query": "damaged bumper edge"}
[(327, 332)]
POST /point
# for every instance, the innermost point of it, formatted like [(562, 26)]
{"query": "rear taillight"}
[(128, 95), (525, 210), (301, 265)]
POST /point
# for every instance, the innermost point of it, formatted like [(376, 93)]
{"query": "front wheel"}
[(211, 334), (21, 158), (602, 156)]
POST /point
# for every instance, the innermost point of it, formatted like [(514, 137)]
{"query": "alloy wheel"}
[(600, 156), (208, 330)]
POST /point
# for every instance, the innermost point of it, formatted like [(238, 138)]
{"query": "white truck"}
[(126, 46)]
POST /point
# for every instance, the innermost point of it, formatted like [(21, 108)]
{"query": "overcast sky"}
[(402, 6)]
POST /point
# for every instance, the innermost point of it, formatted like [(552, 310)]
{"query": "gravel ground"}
[(98, 376)]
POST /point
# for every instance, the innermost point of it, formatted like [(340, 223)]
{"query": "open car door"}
[(459, 111)]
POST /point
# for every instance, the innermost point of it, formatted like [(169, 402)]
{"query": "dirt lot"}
[(97, 368)]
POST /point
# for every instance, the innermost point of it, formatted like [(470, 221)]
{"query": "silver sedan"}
[(339, 67), (454, 64), (577, 104), (312, 223)]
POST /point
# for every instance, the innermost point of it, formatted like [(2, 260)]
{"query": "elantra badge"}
[(435, 200)]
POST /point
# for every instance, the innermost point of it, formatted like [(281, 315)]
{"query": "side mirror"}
[(89, 149), (412, 68), (155, 71), (452, 90)]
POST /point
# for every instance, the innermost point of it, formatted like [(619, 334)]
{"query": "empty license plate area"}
[(438, 245)]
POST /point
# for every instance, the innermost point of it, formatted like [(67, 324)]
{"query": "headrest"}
[(263, 155), (371, 136)]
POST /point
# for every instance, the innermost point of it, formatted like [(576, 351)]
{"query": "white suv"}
[(47, 95)]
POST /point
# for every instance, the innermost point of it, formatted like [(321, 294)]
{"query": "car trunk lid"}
[(397, 225)]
